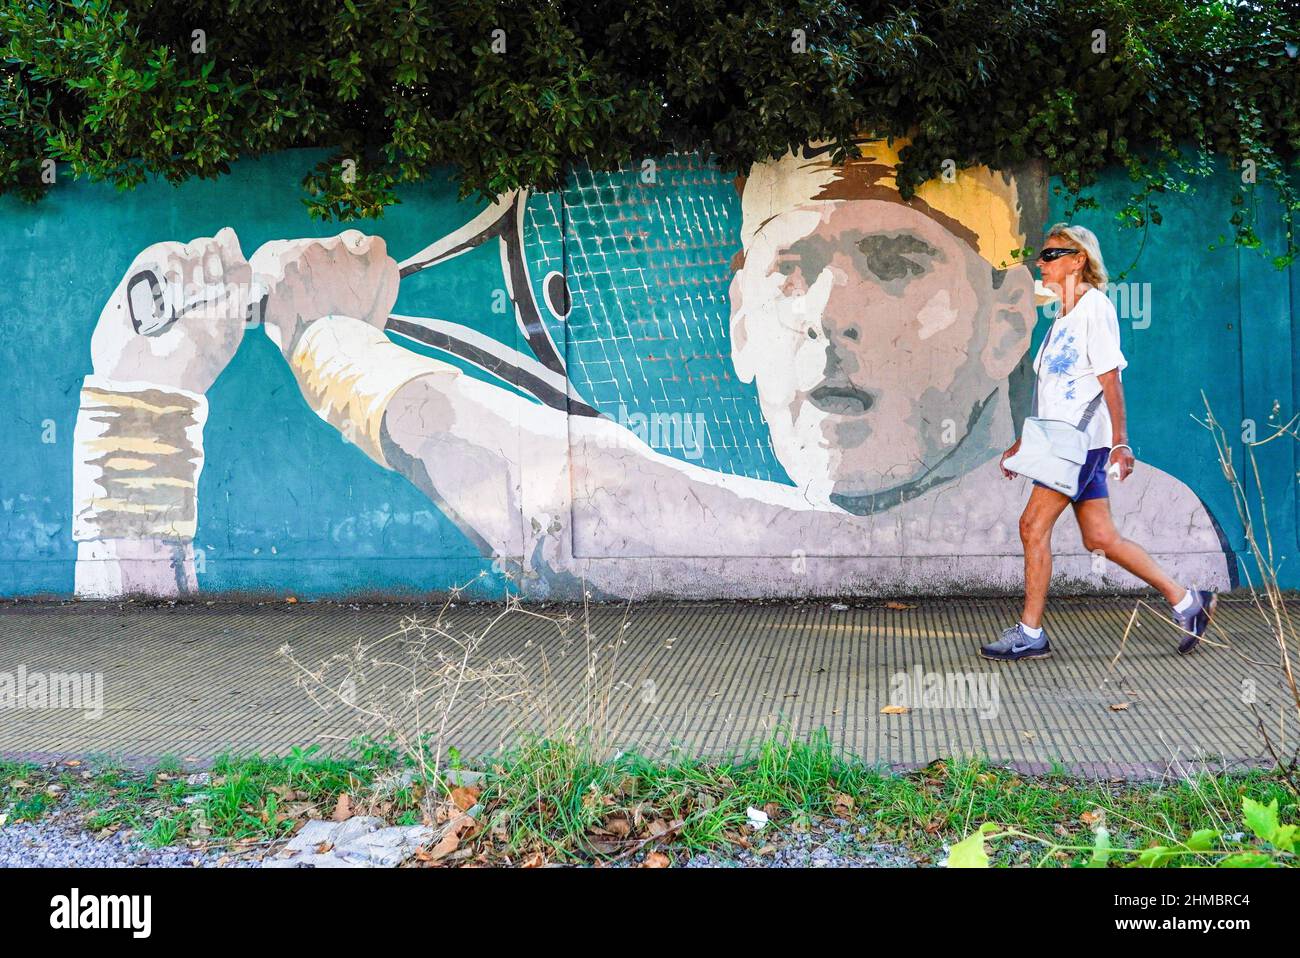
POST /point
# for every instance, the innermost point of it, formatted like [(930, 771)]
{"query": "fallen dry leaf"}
[(606, 847), (299, 810), (842, 805), (343, 810), (450, 841), (656, 860), (1091, 818), (895, 710), (465, 797), (618, 826)]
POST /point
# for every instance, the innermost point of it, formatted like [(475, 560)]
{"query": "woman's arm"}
[(1113, 390)]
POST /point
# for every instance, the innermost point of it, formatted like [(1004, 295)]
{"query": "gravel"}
[(833, 843), (57, 840)]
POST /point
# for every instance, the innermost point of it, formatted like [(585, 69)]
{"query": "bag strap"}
[(1042, 348), (1090, 412)]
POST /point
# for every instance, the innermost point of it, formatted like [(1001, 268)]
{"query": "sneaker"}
[(1193, 622), (1015, 645)]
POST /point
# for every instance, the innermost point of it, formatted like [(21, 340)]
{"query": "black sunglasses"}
[(1055, 252)]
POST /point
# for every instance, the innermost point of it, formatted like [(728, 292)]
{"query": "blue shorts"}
[(1092, 476)]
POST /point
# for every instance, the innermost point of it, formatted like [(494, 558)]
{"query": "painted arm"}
[(138, 439), (464, 443), (508, 471)]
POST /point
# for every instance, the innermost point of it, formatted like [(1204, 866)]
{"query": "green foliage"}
[(969, 852), (1275, 845), (122, 89)]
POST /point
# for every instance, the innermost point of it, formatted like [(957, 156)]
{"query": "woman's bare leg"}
[(1041, 512), (1100, 535)]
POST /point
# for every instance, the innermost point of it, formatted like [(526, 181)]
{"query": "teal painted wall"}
[(1222, 323), (286, 506)]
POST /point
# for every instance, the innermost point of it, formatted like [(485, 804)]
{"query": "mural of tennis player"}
[(882, 337)]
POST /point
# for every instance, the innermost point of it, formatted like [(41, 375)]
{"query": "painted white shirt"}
[(1080, 346)]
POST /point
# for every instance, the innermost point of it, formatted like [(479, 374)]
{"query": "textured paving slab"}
[(196, 680)]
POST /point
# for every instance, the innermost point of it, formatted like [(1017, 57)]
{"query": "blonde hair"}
[(980, 206), (1094, 273)]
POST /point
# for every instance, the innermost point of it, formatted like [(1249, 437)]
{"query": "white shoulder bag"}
[(1052, 451)]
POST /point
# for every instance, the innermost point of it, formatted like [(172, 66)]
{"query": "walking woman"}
[(1079, 361)]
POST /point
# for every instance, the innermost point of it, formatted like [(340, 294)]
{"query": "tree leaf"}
[(969, 852), (1260, 819)]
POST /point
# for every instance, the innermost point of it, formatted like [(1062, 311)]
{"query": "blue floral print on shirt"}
[(1062, 362)]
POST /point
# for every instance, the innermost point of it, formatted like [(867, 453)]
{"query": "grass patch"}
[(550, 798), (24, 794), (556, 800)]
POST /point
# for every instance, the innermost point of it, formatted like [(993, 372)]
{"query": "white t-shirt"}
[(1081, 345)]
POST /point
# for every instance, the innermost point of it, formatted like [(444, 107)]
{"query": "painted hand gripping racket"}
[(154, 308)]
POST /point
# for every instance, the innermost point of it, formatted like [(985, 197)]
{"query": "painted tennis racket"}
[(542, 374)]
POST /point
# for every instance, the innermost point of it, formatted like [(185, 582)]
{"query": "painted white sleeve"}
[(349, 371), (1104, 353)]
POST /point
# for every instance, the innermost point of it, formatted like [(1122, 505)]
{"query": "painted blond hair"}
[(1094, 273), (978, 205)]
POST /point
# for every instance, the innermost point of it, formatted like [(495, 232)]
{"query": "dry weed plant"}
[(422, 686), (1266, 595)]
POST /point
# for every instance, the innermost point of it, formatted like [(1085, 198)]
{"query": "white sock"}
[(1032, 633), (1186, 602)]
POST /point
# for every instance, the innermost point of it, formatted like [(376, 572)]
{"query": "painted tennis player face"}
[(872, 334)]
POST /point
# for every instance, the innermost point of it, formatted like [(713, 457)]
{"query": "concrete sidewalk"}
[(196, 680)]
